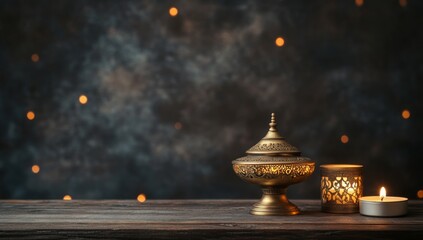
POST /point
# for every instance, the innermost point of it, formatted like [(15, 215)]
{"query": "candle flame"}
[(382, 193)]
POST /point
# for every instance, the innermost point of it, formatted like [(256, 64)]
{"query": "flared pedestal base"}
[(274, 203)]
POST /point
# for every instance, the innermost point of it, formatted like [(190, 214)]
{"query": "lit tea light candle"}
[(383, 206)]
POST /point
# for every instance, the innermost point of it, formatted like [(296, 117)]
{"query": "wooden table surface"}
[(193, 219)]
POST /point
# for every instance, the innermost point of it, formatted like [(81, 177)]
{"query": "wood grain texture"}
[(193, 219)]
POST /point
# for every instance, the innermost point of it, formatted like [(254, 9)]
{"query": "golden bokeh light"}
[(173, 11), (30, 115), (406, 114), (359, 3), (35, 169), (279, 41), (67, 197), (403, 3), (345, 139), (35, 57), (141, 198), (420, 193), (178, 125), (83, 99)]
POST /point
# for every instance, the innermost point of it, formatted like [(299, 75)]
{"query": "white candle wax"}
[(388, 207)]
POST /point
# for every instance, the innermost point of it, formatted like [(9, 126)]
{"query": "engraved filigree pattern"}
[(273, 147), (341, 189), (247, 159), (270, 171)]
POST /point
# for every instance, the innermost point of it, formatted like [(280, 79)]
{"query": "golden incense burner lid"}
[(273, 143)]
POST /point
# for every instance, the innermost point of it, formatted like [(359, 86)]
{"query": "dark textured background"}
[(214, 69)]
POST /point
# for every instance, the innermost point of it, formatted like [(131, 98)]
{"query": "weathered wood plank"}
[(196, 219)]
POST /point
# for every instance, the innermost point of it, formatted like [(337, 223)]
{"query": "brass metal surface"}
[(341, 187), (274, 164)]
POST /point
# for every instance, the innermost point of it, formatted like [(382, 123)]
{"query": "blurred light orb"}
[(406, 114), (345, 139), (173, 11), (420, 193), (35, 169), (141, 198), (403, 3), (279, 41), (30, 115), (67, 197), (359, 3), (83, 99), (178, 125), (35, 57)]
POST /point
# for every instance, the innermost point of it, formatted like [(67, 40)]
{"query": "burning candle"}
[(383, 206)]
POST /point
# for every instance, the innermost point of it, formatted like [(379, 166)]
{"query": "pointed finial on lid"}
[(273, 143), (272, 123)]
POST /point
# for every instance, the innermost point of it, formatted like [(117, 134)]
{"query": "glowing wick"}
[(382, 193)]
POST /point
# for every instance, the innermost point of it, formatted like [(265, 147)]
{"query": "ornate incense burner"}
[(274, 164)]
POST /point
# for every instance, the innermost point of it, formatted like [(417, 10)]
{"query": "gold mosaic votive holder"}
[(341, 187)]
